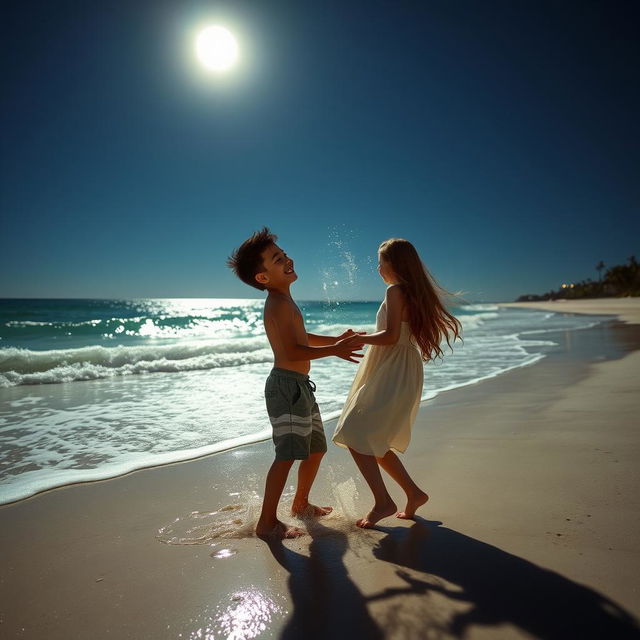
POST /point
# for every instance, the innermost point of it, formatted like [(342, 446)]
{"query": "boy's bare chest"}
[(298, 318), (292, 320)]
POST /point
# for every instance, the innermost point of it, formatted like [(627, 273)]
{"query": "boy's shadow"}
[(326, 603), (501, 588)]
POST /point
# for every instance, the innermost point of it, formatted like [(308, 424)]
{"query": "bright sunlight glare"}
[(216, 48)]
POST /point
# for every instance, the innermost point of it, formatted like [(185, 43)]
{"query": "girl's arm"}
[(322, 341), (395, 305)]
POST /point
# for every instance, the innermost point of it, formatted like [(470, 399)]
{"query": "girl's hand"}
[(348, 333), (349, 348)]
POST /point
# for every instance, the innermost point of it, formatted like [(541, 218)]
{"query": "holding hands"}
[(349, 345)]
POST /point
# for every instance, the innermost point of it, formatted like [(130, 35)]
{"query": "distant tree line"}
[(619, 281)]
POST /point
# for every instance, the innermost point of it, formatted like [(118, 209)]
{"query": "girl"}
[(385, 395)]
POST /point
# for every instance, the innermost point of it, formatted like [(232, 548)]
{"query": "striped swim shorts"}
[(294, 415)]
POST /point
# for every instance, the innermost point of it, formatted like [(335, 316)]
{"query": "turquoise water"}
[(91, 389)]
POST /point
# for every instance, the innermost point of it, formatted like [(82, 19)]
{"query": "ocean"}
[(92, 389)]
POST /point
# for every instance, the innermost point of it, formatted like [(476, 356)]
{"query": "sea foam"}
[(24, 366), (108, 415)]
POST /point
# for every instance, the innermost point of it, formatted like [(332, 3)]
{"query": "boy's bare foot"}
[(280, 530), (308, 510), (413, 503), (377, 513)]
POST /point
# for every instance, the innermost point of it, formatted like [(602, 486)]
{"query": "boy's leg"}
[(317, 447), (277, 394), (306, 475), (384, 506), (268, 524), (416, 497)]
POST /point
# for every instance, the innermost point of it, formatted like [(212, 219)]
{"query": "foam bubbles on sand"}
[(238, 520), (207, 527)]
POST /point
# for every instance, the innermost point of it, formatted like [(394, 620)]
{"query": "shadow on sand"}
[(488, 587), (326, 602), (499, 587)]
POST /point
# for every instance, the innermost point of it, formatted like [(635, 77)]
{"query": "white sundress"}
[(384, 397)]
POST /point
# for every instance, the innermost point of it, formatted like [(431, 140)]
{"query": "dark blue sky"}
[(501, 138)]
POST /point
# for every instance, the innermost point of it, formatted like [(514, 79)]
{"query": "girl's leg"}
[(384, 506), (416, 497)]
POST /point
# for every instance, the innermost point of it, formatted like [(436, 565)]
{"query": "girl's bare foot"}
[(376, 514), (413, 503), (280, 530)]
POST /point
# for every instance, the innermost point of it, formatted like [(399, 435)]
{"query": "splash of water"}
[(341, 276), (238, 520), (346, 495), (207, 527)]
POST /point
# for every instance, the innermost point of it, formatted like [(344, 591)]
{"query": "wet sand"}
[(532, 529)]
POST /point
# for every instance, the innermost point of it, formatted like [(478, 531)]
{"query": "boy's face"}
[(277, 268)]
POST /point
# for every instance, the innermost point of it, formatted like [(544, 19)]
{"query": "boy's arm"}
[(320, 341), (395, 303), (282, 320)]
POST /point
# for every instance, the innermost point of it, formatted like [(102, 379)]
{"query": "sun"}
[(216, 48)]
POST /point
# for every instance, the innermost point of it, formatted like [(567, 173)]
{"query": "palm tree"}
[(599, 268)]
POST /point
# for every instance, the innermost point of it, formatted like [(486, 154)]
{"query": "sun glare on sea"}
[(216, 48)]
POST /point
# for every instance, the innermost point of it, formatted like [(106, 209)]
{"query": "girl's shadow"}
[(326, 603), (502, 588)]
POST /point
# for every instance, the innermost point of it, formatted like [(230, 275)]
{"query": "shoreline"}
[(26, 487), (239, 441), (626, 309), (531, 530)]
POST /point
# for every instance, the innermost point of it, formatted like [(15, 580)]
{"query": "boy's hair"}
[(246, 261)]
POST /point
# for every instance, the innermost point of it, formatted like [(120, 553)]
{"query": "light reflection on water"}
[(249, 612), (224, 553), (243, 615)]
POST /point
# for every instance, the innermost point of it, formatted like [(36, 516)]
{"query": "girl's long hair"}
[(429, 319)]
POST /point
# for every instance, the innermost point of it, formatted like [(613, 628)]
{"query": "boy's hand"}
[(350, 347)]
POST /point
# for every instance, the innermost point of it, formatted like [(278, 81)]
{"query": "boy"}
[(297, 426)]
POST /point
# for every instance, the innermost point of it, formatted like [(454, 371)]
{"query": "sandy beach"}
[(626, 309), (532, 530)]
